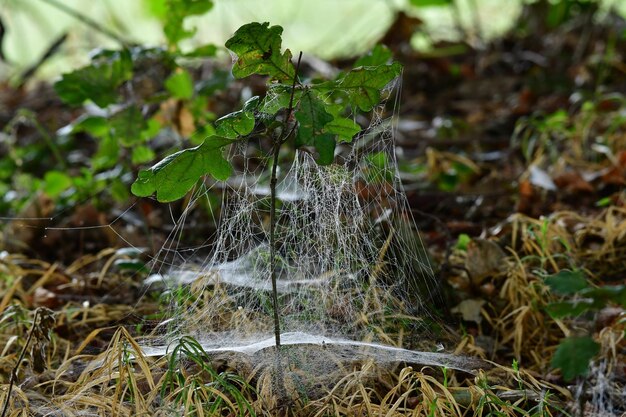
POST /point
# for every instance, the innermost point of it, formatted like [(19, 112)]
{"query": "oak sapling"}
[(305, 115)]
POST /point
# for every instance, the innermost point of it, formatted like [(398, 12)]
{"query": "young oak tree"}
[(310, 115)]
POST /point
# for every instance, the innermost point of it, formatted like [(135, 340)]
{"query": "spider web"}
[(351, 265)]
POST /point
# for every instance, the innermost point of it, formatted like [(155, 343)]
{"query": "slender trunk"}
[(278, 141), (273, 248)]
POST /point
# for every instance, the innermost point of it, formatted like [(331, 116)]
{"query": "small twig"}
[(88, 21), (13, 376)]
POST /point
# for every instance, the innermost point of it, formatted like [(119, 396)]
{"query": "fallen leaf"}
[(484, 258), (470, 310)]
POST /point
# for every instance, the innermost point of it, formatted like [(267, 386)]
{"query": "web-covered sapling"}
[(311, 115)]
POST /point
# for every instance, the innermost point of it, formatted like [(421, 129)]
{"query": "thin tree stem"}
[(278, 141), (273, 182)]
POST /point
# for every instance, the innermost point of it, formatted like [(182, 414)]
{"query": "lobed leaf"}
[(258, 49), (325, 146), (176, 11), (363, 84), (176, 174), (97, 82)]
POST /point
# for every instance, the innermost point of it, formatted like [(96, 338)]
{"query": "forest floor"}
[(513, 160)]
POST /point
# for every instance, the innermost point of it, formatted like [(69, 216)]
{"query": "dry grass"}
[(93, 363)]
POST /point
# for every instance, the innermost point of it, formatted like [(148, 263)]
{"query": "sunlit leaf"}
[(258, 49), (176, 174), (573, 356), (462, 241)]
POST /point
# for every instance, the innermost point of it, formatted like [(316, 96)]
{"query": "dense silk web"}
[(351, 264)]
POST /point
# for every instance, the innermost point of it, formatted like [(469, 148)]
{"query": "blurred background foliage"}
[(326, 28)]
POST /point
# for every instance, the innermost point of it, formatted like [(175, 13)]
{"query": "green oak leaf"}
[(363, 84), (278, 97), (312, 117), (573, 356), (180, 85), (258, 49), (344, 128), (97, 82), (239, 123), (313, 120), (176, 174), (325, 146), (566, 282), (380, 55), (176, 11)]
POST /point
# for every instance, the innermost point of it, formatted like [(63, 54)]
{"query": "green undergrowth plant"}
[(579, 299), (312, 115), (203, 390), (143, 101)]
